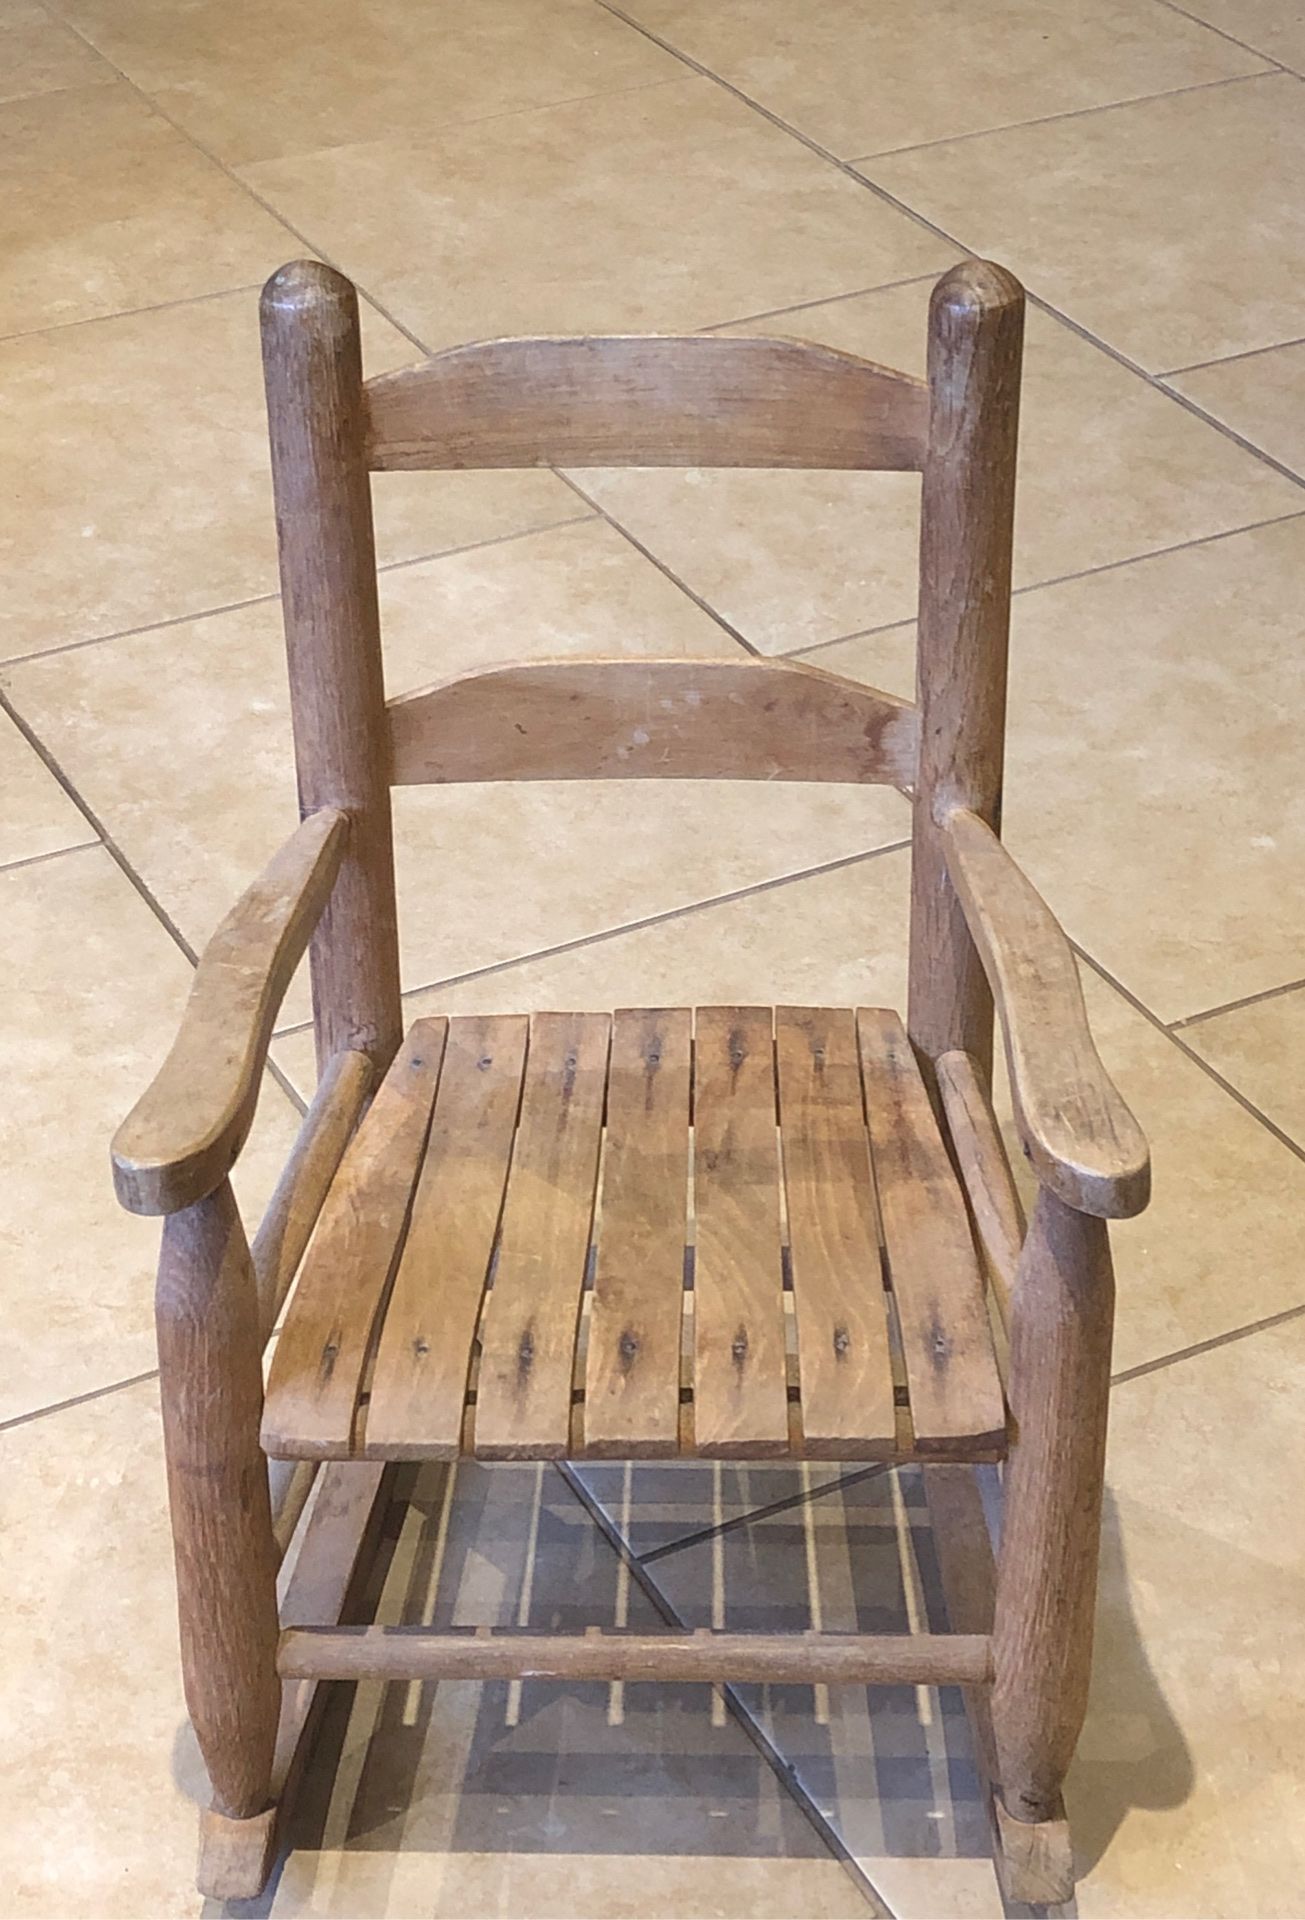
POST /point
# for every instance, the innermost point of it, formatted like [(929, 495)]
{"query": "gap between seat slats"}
[(509, 1159)]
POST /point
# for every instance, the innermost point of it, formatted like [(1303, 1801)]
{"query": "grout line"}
[(76, 1400), (1062, 579), (1223, 34), (130, 633), (1211, 1073), (617, 526), (783, 1769), (1215, 1341), (1232, 359), (764, 1513), (244, 186), (634, 926), (882, 194), (53, 853), (265, 599), (105, 839), (1235, 1006), (124, 313), (93, 820), (825, 300), (1070, 113)]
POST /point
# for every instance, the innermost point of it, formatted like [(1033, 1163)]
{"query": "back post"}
[(312, 361), (976, 337)]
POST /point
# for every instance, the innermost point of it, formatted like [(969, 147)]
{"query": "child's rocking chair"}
[(479, 1190)]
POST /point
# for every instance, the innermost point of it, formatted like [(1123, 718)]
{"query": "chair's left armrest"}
[(182, 1137), (1080, 1137)]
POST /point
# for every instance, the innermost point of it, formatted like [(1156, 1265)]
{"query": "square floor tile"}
[(863, 80), (40, 55), (1260, 1050), (664, 209), (1192, 1761), (1152, 787), (256, 82), (1275, 28), (794, 560), (835, 939), (1261, 396), (146, 491), (36, 815), (99, 1772), (107, 207), (94, 991), (180, 741), (1161, 226)]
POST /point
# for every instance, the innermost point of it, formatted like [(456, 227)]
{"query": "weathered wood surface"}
[(844, 1358), (632, 1376), (317, 1366), (740, 1404), (934, 1269), (1082, 1140), (312, 363), (652, 720), (182, 1137), (852, 1659), (692, 400), (523, 1399), (424, 1357)]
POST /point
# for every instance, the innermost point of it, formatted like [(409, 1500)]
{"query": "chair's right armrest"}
[(182, 1137), (1076, 1130)]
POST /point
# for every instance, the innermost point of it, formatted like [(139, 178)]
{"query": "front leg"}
[(212, 1393), (1062, 1321)]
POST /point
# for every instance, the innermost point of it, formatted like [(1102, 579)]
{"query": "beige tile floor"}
[(495, 165)]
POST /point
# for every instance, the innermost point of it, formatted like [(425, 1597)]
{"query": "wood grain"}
[(206, 1315), (423, 1359), (850, 1659), (317, 1366), (739, 1399), (986, 1176), (967, 506), (523, 1404), (312, 363), (632, 1376), (651, 720), (938, 1292), (695, 400), (182, 1137), (844, 1361), (1083, 1142), (287, 1226), (1046, 1574)]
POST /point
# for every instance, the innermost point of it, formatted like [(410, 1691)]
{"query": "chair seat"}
[(728, 1233)]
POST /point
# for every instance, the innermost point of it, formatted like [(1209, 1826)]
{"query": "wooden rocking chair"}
[(729, 1233)]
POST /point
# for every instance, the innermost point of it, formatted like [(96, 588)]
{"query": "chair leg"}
[(1062, 1317), (212, 1392)]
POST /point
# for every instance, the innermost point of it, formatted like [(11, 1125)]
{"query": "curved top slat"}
[(646, 400), (652, 720)]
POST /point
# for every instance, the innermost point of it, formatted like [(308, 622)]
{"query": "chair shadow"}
[(1132, 1754), (661, 1773)]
